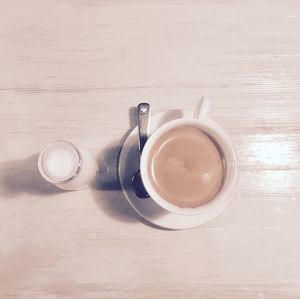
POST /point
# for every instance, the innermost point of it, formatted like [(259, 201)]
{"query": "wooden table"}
[(72, 70)]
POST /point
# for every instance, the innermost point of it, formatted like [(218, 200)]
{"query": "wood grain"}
[(70, 69)]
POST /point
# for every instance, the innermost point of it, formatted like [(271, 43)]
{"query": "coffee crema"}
[(186, 167)]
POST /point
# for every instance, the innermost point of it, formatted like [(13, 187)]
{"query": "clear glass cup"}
[(67, 166)]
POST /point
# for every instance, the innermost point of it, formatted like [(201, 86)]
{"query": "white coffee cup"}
[(223, 197)]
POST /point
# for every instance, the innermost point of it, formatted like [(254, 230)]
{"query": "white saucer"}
[(146, 207)]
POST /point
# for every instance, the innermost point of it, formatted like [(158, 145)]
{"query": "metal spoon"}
[(143, 126)]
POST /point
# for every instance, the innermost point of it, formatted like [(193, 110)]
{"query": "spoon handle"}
[(143, 123)]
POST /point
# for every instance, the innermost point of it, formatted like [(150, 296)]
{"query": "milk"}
[(67, 166)]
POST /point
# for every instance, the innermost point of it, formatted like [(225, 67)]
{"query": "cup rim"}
[(224, 195)]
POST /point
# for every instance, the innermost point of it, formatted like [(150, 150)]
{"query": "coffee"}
[(186, 167)]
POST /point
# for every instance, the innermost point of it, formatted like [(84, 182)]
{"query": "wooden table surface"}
[(72, 70)]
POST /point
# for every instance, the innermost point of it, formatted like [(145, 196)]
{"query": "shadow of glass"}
[(22, 176)]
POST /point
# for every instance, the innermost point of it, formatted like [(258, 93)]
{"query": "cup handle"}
[(202, 108)]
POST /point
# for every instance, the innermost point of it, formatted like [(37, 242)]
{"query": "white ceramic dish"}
[(148, 208)]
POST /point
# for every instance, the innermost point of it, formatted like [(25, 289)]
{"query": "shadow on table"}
[(22, 176), (107, 190)]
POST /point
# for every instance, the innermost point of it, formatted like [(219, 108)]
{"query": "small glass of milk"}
[(67, 166)]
